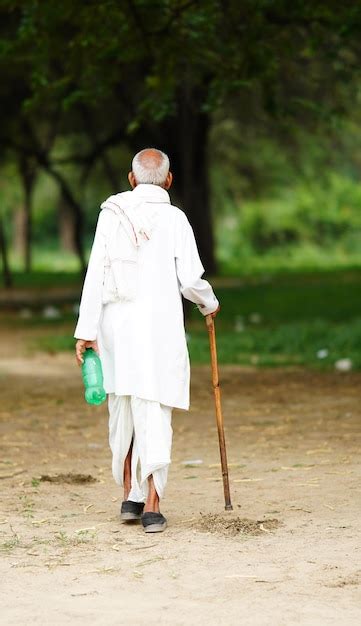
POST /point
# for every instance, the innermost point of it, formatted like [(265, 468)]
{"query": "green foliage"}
[(81, 53), (314, 212), (81, 78), (313, 225)]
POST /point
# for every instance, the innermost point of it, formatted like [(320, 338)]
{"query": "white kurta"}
[(142, 342)]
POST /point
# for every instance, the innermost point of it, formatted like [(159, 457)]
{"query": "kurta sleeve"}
[(190, 269), (91, 299)]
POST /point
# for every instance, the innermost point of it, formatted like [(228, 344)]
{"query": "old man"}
[(144, 258)]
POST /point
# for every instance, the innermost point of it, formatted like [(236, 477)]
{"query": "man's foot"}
[(131, 511), (153, 522)]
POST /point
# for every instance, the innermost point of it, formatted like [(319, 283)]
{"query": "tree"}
[(4, 257), (161, 81)]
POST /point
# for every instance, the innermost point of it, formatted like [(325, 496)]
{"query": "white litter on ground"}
[(343, 365), (322, 354), (51, 313)]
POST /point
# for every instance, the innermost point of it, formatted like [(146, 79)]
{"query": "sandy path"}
[(293, 446)]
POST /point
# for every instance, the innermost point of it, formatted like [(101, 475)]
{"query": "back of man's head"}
[(150, 166)]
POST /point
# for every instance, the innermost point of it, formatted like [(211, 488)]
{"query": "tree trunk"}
[(19, 233), (27, 174), (185, 138), (68, 198), (91, 128), (28, 223), (4, 257), (66, 226), (194, 180)]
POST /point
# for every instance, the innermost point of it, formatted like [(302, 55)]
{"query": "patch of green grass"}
[(55, 343), (43, 279), (270, 321), (85, 535), (28, 506), (37, 320), (294, 343), (284, 298), (62, 538), (10, 544)]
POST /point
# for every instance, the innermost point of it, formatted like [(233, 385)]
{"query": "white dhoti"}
[(148, 425)]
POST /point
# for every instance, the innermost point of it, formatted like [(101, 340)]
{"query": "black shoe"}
[(131, 511), (153, 522)]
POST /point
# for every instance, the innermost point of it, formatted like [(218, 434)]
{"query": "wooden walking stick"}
[(219, 416)]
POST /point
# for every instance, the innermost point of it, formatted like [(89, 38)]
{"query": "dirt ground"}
[(288, 554)]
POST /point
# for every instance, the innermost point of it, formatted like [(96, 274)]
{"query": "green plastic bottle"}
[(92, 374)]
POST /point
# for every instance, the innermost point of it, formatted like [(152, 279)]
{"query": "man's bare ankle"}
[(151, 506)]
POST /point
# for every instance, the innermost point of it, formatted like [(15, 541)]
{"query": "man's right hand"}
[(80, 347), (216, 311)]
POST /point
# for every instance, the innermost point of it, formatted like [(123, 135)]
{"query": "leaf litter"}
[(68, 478), (233, 526)]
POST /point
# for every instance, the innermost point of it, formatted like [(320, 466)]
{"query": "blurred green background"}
[(258, 106)]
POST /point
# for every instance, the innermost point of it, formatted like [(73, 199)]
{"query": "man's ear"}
[(168, 181), (132, 181)]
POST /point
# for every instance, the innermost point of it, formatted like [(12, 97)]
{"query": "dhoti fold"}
[(148, 425)]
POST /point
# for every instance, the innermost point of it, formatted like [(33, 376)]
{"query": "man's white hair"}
[(150, 166)]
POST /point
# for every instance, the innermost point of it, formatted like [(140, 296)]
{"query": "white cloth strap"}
[(137, 219)]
